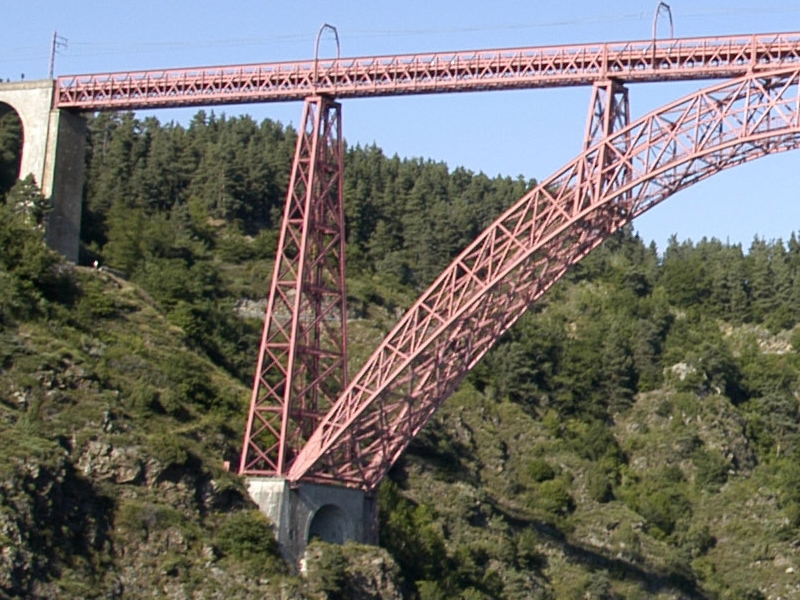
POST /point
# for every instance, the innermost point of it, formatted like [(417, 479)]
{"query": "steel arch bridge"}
[(618, 176), (308, 421)]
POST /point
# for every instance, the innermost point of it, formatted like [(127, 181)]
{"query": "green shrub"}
[(326, 571), (712, 469), (552, 423), (598, 485), (664, 408), (697, 541), (143, 397), (661, 498), (410, 533), (595, 441), (235, 248), (787, 478), (539, 470), (247, 536), (663, 509), (527, 549), (553, 496), (265, 244), (430, 590), (168, 448), (143, 517), (189, 380), (15, 299), (93, 302), (744, 593)]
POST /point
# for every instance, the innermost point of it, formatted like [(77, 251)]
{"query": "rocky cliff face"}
[(113, 437), (51, 519), (120, 524)]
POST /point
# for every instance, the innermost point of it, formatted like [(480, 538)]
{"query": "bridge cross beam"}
[(302, 361)]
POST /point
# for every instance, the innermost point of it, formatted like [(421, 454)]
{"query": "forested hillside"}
[(634, 436)]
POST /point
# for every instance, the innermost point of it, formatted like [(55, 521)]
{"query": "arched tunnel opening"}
[(11, 139), (331, 525)]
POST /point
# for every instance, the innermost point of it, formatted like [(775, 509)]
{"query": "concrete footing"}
[(330, 513)]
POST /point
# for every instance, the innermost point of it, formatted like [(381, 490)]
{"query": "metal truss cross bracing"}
[(609, 111), (618, 176), (432, 73), (302, 363), (306, 421)]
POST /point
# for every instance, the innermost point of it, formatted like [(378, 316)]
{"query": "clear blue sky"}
[(529, 133)]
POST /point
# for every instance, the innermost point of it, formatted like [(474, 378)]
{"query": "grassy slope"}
[(102, 404), (107, 398)]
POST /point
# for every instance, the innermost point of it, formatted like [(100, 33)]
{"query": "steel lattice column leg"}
[(302, 363), (602, 170), (609, 111)]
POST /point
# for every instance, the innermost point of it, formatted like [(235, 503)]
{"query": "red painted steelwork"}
[(520, 256), (302, 364), (609, 111), (556, 66)]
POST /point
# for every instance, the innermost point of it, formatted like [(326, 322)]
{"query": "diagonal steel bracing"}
[(623, 171), (302, 362), (433, 72)]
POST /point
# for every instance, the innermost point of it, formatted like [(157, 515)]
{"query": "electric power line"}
[(85, 49)]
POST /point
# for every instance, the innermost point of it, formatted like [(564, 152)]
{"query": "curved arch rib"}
[(525, 251)]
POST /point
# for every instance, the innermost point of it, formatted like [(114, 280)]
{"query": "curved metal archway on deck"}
[(525, 251)]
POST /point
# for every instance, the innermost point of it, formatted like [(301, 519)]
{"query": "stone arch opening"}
[(11, 142), (331, 525)]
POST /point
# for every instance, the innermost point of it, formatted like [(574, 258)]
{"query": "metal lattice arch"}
[(624, 170)]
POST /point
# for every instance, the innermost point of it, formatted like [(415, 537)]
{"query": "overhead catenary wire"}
[(84, 49)]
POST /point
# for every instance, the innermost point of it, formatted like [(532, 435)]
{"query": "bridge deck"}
[(515, 68)]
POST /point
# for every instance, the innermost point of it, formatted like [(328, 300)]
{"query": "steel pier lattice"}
[(302, 362), (523, 253), (306, 422)]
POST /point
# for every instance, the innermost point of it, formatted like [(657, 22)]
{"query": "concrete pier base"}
[(331, 513), (53, 148), (63, 182)]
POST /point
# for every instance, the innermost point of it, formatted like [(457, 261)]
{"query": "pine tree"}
[(762, 279), (26, 199)]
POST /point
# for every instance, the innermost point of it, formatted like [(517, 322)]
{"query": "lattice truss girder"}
[(425, 73), (522, 254), (302, 363)]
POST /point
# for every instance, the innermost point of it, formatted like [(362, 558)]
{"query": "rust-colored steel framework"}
[(306, 422), (439, 72), (522, 254), (302, 363)]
